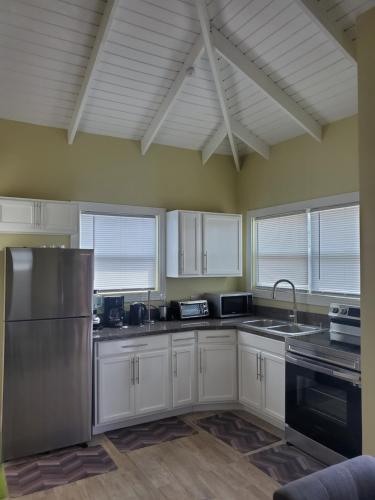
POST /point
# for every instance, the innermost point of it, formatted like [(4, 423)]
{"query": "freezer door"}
[(44, 283), (47, 385)]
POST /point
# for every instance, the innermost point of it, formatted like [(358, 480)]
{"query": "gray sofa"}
[(350, 480)]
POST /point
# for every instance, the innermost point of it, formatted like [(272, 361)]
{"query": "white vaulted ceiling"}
[(46, 45)]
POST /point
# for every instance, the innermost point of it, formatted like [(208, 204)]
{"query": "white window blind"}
[(282, 250), (125, 249), (335, 250)]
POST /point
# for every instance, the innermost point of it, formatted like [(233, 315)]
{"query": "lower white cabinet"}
[(152, 381), (261, 375), (184, 379), (217, 380), (115, 388)]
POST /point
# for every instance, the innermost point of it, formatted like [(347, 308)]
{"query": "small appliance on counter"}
[(228, 304), (137, 313), (163, 312), (323, 388), (185, 309), (113, 312)]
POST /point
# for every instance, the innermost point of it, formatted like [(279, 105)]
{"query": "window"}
[(313, 244), (127, 250)]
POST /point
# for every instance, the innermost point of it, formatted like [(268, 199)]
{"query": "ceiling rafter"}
[(172, 94), (100, 40), (318, 15), (235, 57), (212, 58)]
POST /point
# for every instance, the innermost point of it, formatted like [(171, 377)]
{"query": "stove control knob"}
[(335, 310), (343, 310)]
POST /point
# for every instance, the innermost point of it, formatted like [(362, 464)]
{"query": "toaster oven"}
[(185, 309)]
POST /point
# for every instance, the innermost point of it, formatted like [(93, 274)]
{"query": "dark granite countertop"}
[(160, 327)]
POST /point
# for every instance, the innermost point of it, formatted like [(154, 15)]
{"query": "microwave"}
[(226, 305)]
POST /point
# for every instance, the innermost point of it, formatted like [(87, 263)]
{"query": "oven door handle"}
[(348, 376)]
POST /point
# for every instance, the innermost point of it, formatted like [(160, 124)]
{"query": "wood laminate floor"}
[(195, 467)]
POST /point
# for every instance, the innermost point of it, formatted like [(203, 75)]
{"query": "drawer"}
[(112, 347), (261, 343), (183, 338), (218, 336)]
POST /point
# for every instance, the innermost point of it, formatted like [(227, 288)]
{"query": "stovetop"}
[(320, 346)]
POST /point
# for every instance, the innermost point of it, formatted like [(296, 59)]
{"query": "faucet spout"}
[(295, 320)]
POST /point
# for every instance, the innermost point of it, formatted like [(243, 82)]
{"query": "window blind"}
[(282, 250), (125, 250), (335, 250)]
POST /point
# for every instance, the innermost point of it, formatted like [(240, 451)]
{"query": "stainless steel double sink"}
[(281, 327)]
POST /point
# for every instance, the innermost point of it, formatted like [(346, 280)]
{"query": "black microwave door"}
[(325, 409), (234, 305)]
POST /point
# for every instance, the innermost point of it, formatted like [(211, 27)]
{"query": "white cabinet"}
[(184, 368), (115, 388), (249, 387), (59, 217), (203, 244), (152, 382), (19, 215), (222, 245), (217, 379), (132, 378), (261, 375)]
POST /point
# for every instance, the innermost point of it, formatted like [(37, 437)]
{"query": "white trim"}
[(213, 143), (100, 40), (250, 139), (285, 295), (158, 120), (319, 16), (131, 210), (235, 57)]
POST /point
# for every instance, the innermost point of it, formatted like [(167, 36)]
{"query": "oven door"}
[(323, 402)]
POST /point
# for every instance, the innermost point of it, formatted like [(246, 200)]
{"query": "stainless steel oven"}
[(323, 405)]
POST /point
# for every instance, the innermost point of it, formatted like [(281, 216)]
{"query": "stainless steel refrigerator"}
[(48, 349)]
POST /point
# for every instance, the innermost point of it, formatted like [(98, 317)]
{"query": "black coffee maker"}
[(137, 313), (113, 312)]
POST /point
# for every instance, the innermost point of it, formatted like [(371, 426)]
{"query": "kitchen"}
[(192, 233)]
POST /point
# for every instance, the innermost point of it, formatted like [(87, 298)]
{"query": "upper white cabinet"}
[(203, 244), (18, 215)]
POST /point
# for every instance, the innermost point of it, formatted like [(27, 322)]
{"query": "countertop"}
[(160, 327)]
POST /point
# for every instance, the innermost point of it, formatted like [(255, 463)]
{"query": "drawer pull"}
[(134, 345), (181, 340), (219, 336)]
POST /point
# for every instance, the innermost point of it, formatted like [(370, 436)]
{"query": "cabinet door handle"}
[(200, 361), (260, 367), (218, 337), (137, 370), (205, 261), (182, 340), (182, 261), (132, 371), (134, 345), (175, 364)]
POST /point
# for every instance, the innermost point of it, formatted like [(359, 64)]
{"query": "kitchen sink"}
[(292, 329), (265, 323)]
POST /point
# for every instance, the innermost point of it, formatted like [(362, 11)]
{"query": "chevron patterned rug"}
[(237, 432), (142, 435), (55, 469), (285, 463)]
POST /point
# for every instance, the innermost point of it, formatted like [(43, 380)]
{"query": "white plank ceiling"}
[(45, 46)]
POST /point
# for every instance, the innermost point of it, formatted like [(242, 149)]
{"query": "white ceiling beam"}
[(101, 38), (318, 15), (212, 58), (172, 94), (234, 56), (244, 134), (214, 142)]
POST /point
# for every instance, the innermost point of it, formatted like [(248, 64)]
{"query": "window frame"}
[(318, 299), (132, 211)]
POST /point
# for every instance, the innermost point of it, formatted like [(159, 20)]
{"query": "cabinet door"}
[(17, 215), (217, 373), (115, 391), (190, 243), (250, 392), (183, 366), (60, 218), (273, 385), (152, 381), (222, 244)]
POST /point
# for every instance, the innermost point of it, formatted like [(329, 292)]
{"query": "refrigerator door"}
[(47, 385), (43, 283)]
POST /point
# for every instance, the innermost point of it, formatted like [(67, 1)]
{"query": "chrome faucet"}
[(294, 315)]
